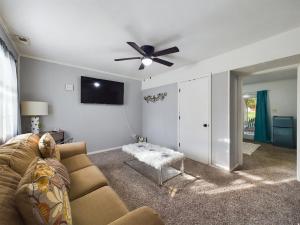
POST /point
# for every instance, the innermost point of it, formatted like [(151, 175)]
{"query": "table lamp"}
[(34, 109)]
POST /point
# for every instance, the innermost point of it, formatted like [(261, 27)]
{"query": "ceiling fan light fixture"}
[(149, 55), (147, 61)]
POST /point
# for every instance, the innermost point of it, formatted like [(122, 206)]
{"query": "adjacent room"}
[(270, 122), (149, 113)]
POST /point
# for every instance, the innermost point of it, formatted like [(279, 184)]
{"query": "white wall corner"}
[(80, 67), (279, 46), (9, 36)]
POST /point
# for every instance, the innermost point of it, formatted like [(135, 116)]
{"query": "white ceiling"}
[(275, 75), (91, 33)]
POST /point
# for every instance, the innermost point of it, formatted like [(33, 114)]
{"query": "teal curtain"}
[(262, 122)]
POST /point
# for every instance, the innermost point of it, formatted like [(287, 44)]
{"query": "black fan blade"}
[(161, 61), (142, 67), (136, 47), (166, 51), (127, 58)]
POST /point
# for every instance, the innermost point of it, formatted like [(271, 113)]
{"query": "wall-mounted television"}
[(101, 91)]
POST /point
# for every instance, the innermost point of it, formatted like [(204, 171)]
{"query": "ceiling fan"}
[(149, 55)]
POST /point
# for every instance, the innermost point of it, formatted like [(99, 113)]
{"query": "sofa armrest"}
[(140, 216), (71, 149)]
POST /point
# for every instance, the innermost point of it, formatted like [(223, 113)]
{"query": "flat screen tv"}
[(101, 91)]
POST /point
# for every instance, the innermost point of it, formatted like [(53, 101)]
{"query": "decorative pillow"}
[(61, 170), (42, 197), (47, 147)]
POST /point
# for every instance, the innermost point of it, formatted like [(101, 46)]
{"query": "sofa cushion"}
[(33, 138), (47, 147), (99, 207), (143, 215), (86, 180), (9, 180), (76, 162), (70, 149), (19, 151), (43, 198)]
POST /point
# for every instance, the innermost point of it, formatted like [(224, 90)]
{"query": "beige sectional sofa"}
[(92, 200)]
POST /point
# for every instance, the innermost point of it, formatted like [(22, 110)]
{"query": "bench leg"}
[(182, 167), (160, 182)]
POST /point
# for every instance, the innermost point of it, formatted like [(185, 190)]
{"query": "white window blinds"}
[(8, 95)]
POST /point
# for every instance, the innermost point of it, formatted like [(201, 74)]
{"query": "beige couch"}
[(93, 201)]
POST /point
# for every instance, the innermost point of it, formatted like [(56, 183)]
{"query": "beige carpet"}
[(264, 191)]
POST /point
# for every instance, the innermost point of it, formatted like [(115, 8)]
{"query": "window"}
[(249, 117), (8, 94)]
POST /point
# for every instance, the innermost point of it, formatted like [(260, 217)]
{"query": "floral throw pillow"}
[(47, 147), (61, 170), (42, 197)]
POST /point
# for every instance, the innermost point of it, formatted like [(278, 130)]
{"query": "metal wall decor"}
[(155, 98)]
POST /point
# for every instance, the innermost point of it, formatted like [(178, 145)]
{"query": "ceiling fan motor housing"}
[(148, 49)]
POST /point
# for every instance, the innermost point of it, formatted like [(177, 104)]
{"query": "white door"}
[(194, 119)]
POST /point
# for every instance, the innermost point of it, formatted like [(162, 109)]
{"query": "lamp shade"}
[(32, 108)]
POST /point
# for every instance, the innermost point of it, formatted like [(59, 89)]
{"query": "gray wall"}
[(160, 118), (101, 126), (220, 120)]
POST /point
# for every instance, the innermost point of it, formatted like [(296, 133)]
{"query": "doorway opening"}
[(268, 123)]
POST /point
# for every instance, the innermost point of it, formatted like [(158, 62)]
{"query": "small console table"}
[(59, 136)]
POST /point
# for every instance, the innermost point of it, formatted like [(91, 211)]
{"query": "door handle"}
[(205, 125)]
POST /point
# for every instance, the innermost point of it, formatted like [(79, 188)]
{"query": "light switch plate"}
[(69, 87)]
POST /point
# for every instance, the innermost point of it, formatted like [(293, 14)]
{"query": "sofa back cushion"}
[(42, 197), (19, 151), (9, 180)]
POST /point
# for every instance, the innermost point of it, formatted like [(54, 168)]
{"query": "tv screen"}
[(101, 91)]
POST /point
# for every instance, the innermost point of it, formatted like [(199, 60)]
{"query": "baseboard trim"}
[(236, 166), (218, 166), (104, 150)]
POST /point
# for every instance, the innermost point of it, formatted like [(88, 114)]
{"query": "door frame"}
[(239, 139), (209, 113), (298, 123)]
